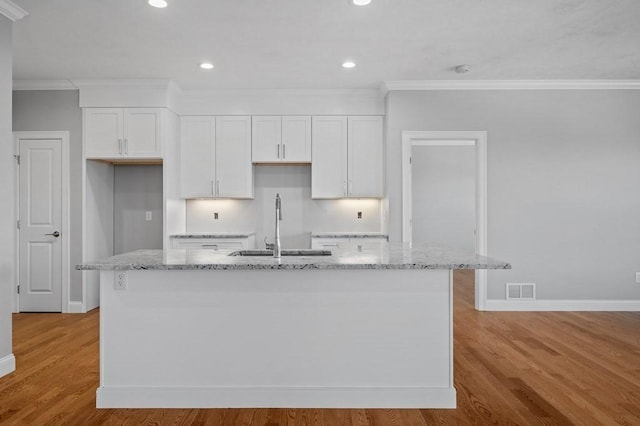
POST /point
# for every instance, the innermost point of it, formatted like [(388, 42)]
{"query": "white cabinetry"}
[(215, 157), (113, 133), (347, 157), (281, 139), (327, 243), (246, 243)]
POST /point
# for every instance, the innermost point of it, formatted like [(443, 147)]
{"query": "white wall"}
[(7, 216), (48, 110), (444, 195), (301, 214), (563, 175)]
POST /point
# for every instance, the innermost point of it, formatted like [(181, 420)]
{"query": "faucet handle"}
[(269, 246)]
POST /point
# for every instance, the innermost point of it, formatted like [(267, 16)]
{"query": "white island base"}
[(369, 338)]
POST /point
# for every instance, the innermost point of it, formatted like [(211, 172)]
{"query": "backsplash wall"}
[(300, 214)]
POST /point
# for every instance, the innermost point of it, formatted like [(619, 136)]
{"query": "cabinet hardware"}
[(278, 154), (213, 190), (350, 186), (284, 152), (344, 188), (126, 146), (120, 146), (218, 187)]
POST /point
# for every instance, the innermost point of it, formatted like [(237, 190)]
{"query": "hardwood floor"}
[(510, 368)]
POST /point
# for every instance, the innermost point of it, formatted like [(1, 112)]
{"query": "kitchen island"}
[(363, 327)]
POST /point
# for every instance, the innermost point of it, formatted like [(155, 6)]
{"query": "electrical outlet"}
[(215, 215), (638, 277), (148, 215), (359, 215), (121, 280)]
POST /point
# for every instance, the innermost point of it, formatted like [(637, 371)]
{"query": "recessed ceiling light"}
[(158, 3), (361, 2), (206, 66), (349, 64)]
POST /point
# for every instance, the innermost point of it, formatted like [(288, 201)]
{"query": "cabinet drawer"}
[(209, 243), (328, 243)]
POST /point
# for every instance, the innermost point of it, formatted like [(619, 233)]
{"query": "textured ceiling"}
[(300, 44)]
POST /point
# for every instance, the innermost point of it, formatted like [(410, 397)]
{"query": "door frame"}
[(65, 226), (451, 138)]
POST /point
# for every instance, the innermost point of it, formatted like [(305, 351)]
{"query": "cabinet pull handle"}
[(218, 187), (120, 146), (284, 152), (213, 190), (126, 146), (350, 187), (278, 154), (210, 245), (344, 188)]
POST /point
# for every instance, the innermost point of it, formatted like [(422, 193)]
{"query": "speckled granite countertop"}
[(373, 235), (214, 235), (389, 256)]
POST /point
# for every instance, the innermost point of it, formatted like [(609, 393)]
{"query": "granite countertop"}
[(389, 256), (373, 235), (213, 235)]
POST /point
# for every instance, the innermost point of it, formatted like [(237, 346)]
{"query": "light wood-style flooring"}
[(510, 368)]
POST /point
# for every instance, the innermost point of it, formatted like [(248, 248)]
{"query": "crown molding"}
[(280, 92), (154, 83), (43, 85), (510, 85), (12, 10)]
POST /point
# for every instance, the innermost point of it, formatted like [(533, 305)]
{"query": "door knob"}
[(54, 233)]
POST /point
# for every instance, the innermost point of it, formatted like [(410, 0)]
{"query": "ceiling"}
[(301, 44)]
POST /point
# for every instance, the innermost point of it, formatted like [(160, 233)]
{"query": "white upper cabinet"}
[(123, 133), (366, 156), (234, 171), (281, 139), (215, 157), (347, 157), (329, 154)]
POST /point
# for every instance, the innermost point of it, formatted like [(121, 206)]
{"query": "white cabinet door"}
[(366, 156), (265, 141), (234, 171), (197, 156), (329, 157), (142, 133), (103, 129), (296, 139)]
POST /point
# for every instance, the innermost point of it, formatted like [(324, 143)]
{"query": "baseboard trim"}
[(275, 397), (75, 308), (7, 365), (563, 305)]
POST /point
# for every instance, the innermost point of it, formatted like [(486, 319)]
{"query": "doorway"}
[(416, 144), (42, 226)]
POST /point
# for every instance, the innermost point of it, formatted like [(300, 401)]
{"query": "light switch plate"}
[(121, 280), (638, 277), (148, 215)]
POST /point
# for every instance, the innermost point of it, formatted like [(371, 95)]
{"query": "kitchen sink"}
[(301, 252)]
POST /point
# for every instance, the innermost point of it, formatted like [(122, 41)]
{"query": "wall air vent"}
[(521, 291)]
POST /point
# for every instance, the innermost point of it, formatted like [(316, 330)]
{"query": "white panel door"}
[(103, 129), (197, 156), (40, 274), (296, 139), (234, 171), (142, 133), (329, 157), (366, 156), (265, 140)]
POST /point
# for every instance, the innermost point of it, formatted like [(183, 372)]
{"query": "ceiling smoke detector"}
[(461, 69)]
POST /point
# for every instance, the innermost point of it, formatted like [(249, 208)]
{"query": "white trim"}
[(7, 365), (63, 136), (195, 92), (151, 83), (275, 397), (76, 308), (563, 305), (510, 85), (454, 138), (43, 85), (12, 10)]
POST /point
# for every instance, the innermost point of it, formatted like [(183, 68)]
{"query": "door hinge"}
[(410, 160), (17, 157), (18, 224), (18, 288)]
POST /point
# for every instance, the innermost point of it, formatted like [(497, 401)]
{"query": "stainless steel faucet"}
[(277, 252)]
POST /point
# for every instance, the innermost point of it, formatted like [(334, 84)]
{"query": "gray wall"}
[(444, 195), (7, 229), (42, 110), (136, 190), (563, 182)]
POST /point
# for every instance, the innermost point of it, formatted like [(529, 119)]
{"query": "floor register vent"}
[(521, 291)]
